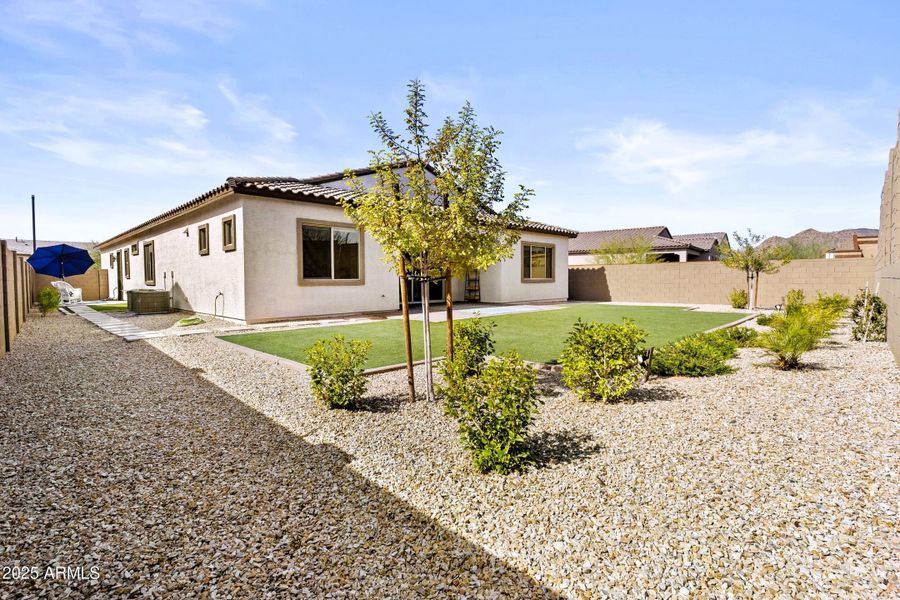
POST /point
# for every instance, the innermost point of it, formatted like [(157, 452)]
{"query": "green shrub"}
[(600, 360), (872, 308), (336, 369), (494, 408), (766, 320), (738, 298), (48, 300), (794, 300), (742, 337), (795, 333), (473, 342), (836, 302), (697, 355)]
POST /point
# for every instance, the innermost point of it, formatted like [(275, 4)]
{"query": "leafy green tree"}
[(435, 204), (799, 249), (753, 260), (632, 251)]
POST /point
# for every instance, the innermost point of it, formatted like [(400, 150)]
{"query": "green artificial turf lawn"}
[(109, 307), (537, 336)]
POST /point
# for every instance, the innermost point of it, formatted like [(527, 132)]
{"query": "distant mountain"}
[(829, 239)]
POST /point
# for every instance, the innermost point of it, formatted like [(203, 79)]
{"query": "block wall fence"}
[(94, 284), (888, 260), (709, 282), (16, 281)]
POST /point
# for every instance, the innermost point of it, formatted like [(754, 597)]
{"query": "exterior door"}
[(119, 293), (414, 290)]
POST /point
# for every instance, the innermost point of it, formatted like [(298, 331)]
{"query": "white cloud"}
[(641, 151), (249, 109)]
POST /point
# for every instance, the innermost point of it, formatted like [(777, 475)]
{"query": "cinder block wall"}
[(888, 261), (15, 302), (94, 284), (710, 282)]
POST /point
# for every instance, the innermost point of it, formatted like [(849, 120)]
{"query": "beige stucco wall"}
[(94, 284), (888, 262), (193, 280), (273, 288), (710, 282), (502, 283)]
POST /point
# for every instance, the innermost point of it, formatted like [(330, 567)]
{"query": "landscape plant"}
[(600, 360), (836, 302), (474, 342), (336, 370), (742, 337), (495, 409), (698, 355), (738, 298), (753, 259), (48, 300), (434, 207), (869, 316), (794, 300), (795, 333)]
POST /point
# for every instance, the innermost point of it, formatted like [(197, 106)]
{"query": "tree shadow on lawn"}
[(550, 448), (179, 489)]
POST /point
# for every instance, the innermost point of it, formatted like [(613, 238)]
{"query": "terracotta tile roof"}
[(287, 187), (704, 241), (591, 240)]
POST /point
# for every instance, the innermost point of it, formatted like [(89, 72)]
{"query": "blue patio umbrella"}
[(61, 260)]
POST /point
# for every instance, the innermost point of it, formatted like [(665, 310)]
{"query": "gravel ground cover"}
[(114, 456), (759, 483)]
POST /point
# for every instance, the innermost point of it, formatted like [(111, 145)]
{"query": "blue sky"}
[(702, 116)]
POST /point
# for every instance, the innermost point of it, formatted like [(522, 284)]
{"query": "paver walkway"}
[(129, 332)]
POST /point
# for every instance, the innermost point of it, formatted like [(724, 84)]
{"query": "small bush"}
[(336, 369), (695, 356), (738, 298), (794, 300), (473, 342), (742, 337), (494, 408), (48, 300), (600, 360), (836, 302), (795, 333), (872, 308), (766, 320)]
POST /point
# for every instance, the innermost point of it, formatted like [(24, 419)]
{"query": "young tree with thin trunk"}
[(753, 261), (632, 251)]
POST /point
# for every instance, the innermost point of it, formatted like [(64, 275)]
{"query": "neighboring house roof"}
[(704, 241), (24, 246), (588, 241), (291, 188)]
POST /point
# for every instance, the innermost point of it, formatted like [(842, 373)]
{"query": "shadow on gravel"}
[(551, 448), (651, 394), (379, 404), (172, 487)]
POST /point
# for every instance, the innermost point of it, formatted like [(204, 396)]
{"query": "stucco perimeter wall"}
[(503, 283), (710, 282), (94, 284), (272, 266), (194, 281), (888, 264)]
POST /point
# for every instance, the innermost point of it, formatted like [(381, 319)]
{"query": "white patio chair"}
[(67, 293)]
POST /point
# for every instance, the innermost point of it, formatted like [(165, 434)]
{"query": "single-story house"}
[(861, 246), (260, 249), (671, 248)]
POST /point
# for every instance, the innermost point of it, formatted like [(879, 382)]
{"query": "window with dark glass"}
[(127, 258), (229, 237), (537, 262), (203, 239), (149, 264), (134, 249), (329, 253)]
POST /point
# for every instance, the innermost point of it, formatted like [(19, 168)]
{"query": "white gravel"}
[(755, 484)]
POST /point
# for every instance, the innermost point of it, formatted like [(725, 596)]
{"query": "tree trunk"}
[(448, 299), (407, 338), (756, 291), (426, 325)]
